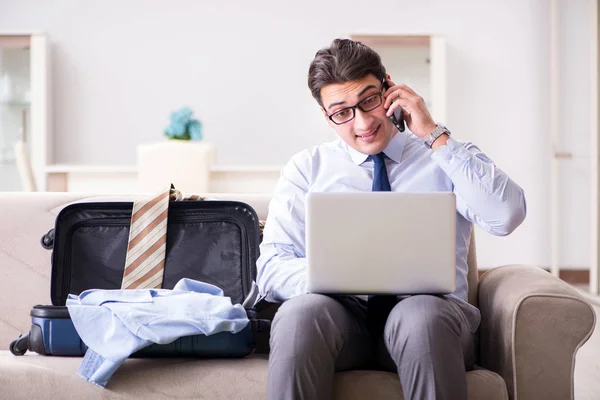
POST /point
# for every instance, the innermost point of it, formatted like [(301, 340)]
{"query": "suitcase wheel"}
[(19, 346), (48, 240)]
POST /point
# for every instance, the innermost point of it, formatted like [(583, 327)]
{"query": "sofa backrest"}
[(25, 265)]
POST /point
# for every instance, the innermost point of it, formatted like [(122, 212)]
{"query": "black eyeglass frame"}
[(357, 105)]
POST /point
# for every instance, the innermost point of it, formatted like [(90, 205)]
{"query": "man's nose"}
[(363, 119)]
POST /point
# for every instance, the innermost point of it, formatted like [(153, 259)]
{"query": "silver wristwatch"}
[(437, 132)]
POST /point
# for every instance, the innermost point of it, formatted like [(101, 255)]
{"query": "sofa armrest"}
[(532, 325)]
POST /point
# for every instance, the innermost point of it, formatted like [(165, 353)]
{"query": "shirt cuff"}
[(285, 293), (451, 156), (96, 369)]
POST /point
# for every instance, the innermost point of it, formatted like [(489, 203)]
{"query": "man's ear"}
[(388, 79)]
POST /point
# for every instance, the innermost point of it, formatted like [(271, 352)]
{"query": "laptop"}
[(381, 243)]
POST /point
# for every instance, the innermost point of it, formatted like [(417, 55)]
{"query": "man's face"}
[(368, 132)]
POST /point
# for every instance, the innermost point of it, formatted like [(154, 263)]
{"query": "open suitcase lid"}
[(210, 241)]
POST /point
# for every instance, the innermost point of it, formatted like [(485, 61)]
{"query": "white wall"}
[(120, 67)]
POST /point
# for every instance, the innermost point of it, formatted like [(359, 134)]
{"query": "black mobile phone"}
[(398, 116)]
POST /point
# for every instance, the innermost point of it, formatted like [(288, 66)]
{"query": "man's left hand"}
[(416, 115)]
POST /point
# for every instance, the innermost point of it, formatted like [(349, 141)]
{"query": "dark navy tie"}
[(381, 183), (379, 306)]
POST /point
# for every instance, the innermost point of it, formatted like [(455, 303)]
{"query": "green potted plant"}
[(184, 159), (183, 127)]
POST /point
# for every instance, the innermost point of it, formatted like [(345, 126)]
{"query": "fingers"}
[(405, 104), (393, 86), (403, 86), (402, 92), (409, 89), (408, 102)]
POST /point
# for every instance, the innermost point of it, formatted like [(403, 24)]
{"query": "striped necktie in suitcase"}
[(145, 260)]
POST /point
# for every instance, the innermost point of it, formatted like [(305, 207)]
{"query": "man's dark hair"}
[(343, 61)]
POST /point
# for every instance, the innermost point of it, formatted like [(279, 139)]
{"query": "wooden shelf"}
[(15, 103), (124, 178), (79, 168), (103, 169), (393, 40)]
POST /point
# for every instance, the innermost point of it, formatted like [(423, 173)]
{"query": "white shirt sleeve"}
[(282, 266), (485, 195)]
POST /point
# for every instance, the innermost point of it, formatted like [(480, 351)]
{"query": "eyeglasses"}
[(365, 105)]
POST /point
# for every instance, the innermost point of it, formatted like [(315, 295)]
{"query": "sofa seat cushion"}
[(39, 377), (355, 385), (33, 376)]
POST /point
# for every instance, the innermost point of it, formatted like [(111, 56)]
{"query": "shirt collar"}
[(393, 150)]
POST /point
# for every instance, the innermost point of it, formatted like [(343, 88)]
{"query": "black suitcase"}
[(210, 241)]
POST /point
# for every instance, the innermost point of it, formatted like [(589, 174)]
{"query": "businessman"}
[(428, 340)]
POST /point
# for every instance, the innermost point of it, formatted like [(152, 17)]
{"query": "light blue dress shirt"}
[(485, 195), (116, 323)]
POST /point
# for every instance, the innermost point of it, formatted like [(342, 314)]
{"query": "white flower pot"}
[(184, 163)]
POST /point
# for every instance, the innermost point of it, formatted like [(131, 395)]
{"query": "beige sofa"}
[(532, 326)]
